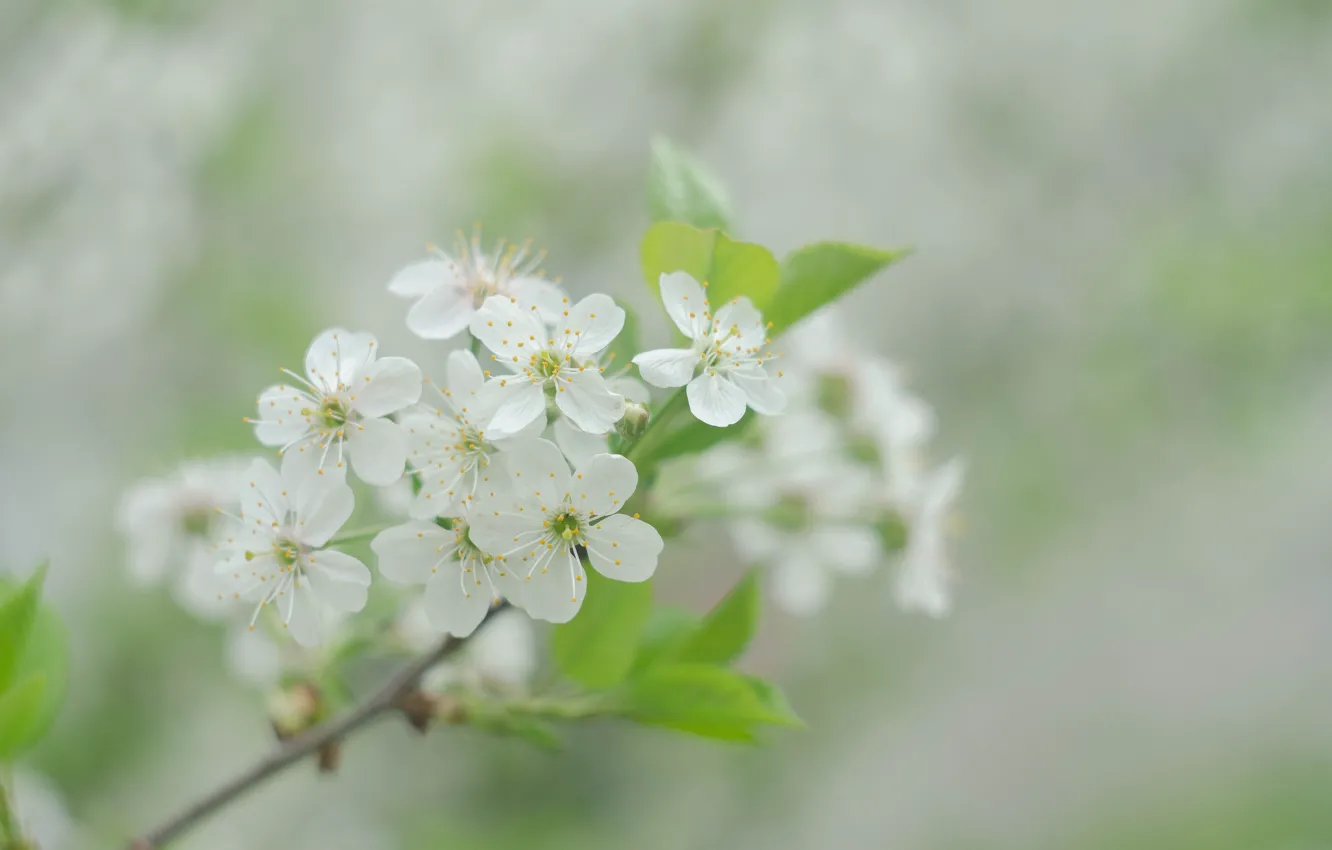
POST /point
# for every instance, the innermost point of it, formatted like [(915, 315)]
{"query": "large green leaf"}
[(729, 268), (728, 627), (18, 613), (702, 699), (21, 716), (694, 437), (680, 188), (597, 647), (819, 274), (668, 629)]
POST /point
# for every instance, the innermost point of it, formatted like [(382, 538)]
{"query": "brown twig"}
[(307, 743)]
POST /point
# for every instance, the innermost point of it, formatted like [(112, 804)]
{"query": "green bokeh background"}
[(1120, 302)]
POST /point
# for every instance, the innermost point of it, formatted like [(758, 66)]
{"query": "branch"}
[(305, 744)]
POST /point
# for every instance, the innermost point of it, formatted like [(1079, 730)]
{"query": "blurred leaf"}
[(622, 350), (774, 700), (704, 700), (819, 274), (47, 656), (680, 188), (668, 628), (597, 647), (21, 715), (727, 628), (729, 268), (18, 614)]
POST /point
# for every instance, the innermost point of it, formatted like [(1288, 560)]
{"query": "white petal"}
[(591, 325), (419, 278), (340, 581), (465, 376), (337, 356), (443, 486), (513, 332), (302, 465), (324, 506), (280, 419), (409, 553), (667, 367), (578, 445), (378, 451), (506, 533), (307, 619), (442, 313), (556, 589), (624, 548), (516, 403), (715, 400), (538, 472), (263, 498), (924, 580), (387, 386), (853, 549), (584, 397), (741, 314), (686, 303), (799, 584), (603, 485), (550, 299), (941, 489), (456, 600), (756, 541), (760, 389), (506, 651)]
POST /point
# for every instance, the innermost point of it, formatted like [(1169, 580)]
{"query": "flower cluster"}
[(829, 488), (515, 472)]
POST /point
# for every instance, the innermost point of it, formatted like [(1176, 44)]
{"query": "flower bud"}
[(294, 709), (635, 421)]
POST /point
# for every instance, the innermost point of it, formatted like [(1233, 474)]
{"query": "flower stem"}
[(386, 699)]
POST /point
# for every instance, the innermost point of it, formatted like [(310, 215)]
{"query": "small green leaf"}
[(728, 627), (729, 268), (21, 715), (47, 655), (596, 648), (704, 700), (18, 613), (775, 701), (821, 273), (680, 188), (622, 350)]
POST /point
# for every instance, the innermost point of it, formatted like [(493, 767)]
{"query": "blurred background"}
[(1120, 303)]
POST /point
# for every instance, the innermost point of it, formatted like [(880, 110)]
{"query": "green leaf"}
[(668, 629), (728, 627), (21, 715), (774, 700), (622, 350), (18, 613), (821, 273), (680, 188), (47, 656), (597, 647), (704, 700), (729, 268)]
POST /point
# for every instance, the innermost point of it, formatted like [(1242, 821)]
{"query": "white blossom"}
[(343, 401), (558, 363), (724, 368), (447, 445), (810, 510), (578, 445), (39, 813), (461, 581), (926, 577), (450, 289), (551, 513), (275, 554)]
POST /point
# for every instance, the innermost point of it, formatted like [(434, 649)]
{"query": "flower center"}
[(547, 365), (331, 415), (465, 549), (567, 526)]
